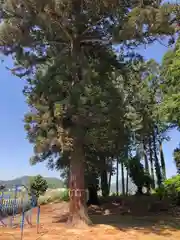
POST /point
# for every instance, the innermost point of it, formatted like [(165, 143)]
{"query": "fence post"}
[(22, 225), (38, 218)]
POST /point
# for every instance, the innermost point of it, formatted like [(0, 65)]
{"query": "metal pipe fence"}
[(22, 204)]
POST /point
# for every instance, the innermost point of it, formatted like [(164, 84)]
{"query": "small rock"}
[(107, 212)]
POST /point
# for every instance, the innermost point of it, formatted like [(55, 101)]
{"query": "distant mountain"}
[(52, 182)]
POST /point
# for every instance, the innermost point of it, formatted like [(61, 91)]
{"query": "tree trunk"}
[(139, 191), (145, 159), (163, 165), (127, 181), (104, 178), (126, 164), (93, 196), (77, 209), (146, 165), (110, 175), (162, 161), (117, 176), (157, 165), (151, 163), (122, 175)]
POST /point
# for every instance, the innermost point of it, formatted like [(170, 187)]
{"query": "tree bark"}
[(127, 181), (157, 165), (139, 191), (162, 160), (117, 176), (126, 164), (163, 164), (110, 176), (145, 159), (146, 165), (104, 178), (93, 196), (77, 208), (151, 163), (122, 175)]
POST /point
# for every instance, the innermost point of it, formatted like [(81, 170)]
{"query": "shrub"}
[(114, 194), (138, 174), (38, 185), (172, 188), (160, 192), (65, 196)]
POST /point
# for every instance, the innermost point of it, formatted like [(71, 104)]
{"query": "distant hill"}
[(52, 182)]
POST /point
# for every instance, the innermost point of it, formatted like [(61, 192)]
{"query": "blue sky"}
[(15, 149)]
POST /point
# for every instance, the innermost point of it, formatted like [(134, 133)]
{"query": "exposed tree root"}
[(80, 218)]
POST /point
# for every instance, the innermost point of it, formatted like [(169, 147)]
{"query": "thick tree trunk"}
[(117, 176), (77, 209)]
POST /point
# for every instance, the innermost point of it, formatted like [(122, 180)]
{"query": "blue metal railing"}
[(10, 207)]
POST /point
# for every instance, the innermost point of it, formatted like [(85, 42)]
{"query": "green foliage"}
[(138, 174), (169, 108), (38, 185), (172, 188), (114, 194), (170, 86), (177, 158), (65, 196), (160, 191)]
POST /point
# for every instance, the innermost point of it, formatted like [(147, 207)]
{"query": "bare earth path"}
[(116, 227)]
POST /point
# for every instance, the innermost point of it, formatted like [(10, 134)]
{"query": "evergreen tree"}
[(59, 47)]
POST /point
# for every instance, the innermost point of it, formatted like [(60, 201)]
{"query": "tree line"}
[(93, 109)]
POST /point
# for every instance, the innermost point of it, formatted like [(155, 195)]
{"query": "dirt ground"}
[(107, 225)]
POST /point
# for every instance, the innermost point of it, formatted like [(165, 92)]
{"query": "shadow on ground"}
[(134, 215), (164, 226), (144, 214)]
